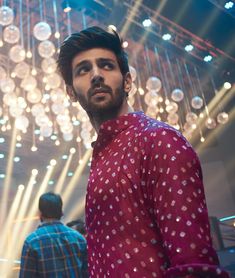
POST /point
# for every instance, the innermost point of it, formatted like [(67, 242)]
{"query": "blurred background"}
[(182, 62)]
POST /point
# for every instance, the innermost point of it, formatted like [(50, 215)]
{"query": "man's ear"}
[(127, 82), (71, 93)]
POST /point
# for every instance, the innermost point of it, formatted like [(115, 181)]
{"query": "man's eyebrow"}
[(105, 60), (82, 63)]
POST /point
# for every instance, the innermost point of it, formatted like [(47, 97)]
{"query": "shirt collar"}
[(111, 128), (49, 222)]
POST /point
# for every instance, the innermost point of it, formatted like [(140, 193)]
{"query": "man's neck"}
[(99, 119), (44, 219)]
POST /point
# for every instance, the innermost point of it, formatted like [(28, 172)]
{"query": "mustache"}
[(99, 87)]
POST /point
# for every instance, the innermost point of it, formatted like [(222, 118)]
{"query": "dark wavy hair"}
[(50, 205), (93, 37)]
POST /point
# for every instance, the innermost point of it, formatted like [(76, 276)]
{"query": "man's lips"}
[(100, 90)]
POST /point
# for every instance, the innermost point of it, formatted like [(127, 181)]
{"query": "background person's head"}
[(93, 37), (50, 206)]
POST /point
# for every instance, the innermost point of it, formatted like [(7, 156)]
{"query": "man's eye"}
[(108, 66), (82, 70)]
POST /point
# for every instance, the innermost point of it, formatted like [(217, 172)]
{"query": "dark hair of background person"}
[(78, 225), (93, 37), (50, 205)]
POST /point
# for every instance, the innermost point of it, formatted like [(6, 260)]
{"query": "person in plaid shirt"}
[(53, 250)]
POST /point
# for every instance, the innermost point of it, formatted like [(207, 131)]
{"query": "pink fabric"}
[(145, 208)]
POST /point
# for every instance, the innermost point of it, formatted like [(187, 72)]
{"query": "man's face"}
[(98, 84)]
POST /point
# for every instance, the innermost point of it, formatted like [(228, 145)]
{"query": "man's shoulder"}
[(155, 127), (48, 232)]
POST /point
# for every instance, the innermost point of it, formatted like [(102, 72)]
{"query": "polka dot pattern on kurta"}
[(146, 213)]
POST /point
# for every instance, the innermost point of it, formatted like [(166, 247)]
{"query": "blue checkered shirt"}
[(54, 251)]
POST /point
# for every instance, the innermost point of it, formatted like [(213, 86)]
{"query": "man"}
[(146, 214), (53, 250)]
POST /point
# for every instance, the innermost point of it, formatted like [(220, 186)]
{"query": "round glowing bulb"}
[(72, 150), (167, 102), (13, 74), (202, 139), (53, 162), (34, 148), (16, 158), (18, 138), (112, 27), (57, 142), (21, 187), (34, 72), (57, 35), (125, 44), (1, 43), (141, 91), (29, 54), (35, 172), (227, 85)]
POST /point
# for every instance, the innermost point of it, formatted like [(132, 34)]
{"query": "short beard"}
[(109, 111), (112, 109)]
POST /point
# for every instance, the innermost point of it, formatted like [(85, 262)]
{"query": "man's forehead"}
[(93, 55)]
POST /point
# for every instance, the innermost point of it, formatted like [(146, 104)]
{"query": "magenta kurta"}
[(145, 208)]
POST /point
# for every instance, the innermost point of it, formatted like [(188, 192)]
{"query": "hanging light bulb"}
[(222, 118), (42, 31), (6, 15), (11, 34), (210, 123)]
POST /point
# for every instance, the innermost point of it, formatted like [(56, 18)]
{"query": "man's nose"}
[(96, 76)]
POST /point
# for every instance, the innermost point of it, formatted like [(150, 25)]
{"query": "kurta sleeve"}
[(28, 265), (180, 209)]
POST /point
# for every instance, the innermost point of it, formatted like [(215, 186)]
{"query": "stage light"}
[(34, 172), (112, 27), (76, 123), (1, 155), (2, 176), (70, 174), (16, 158), (202, 139), (34, 71), (53, 162), (141, 91), (29, 54), (53, 137), (166, 37), (72, 150), (227, 85), (189, 47), (147, 22), (64, 157), (229, 5), (57, 35), (34, 148), (18, 145), (125, 44), (51, 182), (66, 6), (227, 218), (21, 187), (207, 58), (2, 140)]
